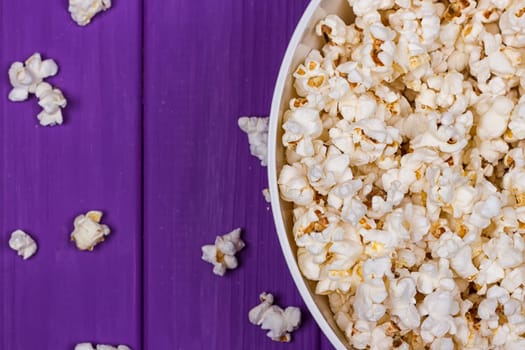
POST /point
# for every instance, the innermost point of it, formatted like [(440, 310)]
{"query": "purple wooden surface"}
[(49, 175), (207, 63)]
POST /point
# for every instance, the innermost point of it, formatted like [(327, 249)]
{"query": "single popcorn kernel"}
[(23, 244), (83, 11), (278, 322), (222, 253), (89, 231)]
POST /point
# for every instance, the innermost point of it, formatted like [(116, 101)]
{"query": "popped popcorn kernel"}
[(83, 11), (23, 244), (89, 231), (222, 253), (25, 77), (257, 130), (278, 322)]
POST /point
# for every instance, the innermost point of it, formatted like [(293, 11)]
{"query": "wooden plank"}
[(50, 175), (207, 63)]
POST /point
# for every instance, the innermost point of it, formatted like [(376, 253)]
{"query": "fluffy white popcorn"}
[(82, 11), (23, 244), (278, 322), (450, 246), (333, 28), (301, 126), (88, 231), (52, 101), (432, 275), (512, 24), (222, 253), (440, 307), (294, 185), (25, 77), (266, 194), (89, 346), (257, 130), (405, 165), (493, 122), (403, 303)]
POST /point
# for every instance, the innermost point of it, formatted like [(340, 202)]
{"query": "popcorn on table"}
[(278, 322), (266, 194), (52, 101), (222, 253), (23, 244), (405, 165), (29, 78), (88, 231), (89, 346), (82, 11), (257, 130), (25, 77)]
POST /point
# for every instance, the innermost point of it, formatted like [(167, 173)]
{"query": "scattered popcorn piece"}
[(23, 243), (266, 194), (89, 231), (52, 101), (82, 11), (278, 322), (222, 253), (89, 346), (25, 77), (257, 130)]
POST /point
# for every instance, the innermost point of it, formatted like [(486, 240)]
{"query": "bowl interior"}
[(303, 41)]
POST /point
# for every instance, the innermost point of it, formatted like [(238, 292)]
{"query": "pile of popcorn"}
[(405, 146)]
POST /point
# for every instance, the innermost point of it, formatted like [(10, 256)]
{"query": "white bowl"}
[(302, 42)]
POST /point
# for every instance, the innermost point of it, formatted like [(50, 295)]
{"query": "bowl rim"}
[(272, 176)]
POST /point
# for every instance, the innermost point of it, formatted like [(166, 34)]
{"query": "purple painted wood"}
[(50, 175), (207, 63)]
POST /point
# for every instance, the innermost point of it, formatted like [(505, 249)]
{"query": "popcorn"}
[(89, 346), (278, 322), (450, 246), (440, 307), (51, 100), (82, 11), (266, 194), (405, 164), (25, 77), (403, 303), (294, 186), (333, 28), (301, 126), (89, 231), (512, 25), (257, 130), (23, 244), (432, 276), (222, 253)]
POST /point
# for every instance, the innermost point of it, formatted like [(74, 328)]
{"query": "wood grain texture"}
[(207, 63), (50, 175)]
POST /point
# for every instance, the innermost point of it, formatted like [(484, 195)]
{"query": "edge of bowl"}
[(335, 337)]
